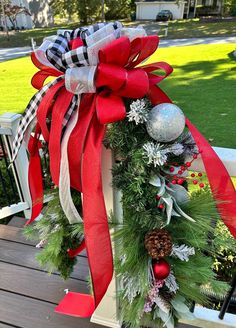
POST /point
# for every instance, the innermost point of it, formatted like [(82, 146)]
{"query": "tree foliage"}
[(89, 11)]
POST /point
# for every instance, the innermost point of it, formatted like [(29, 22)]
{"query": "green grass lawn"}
[(197, 29), (177, 30), (23, 38), (203, 84)]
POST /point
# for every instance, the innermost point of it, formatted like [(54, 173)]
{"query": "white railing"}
[(106, 313), (8, 128)]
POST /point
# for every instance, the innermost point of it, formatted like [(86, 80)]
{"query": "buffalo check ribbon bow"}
[(88, 92)]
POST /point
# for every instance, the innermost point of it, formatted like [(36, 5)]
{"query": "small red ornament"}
[(195, 156), (161, 269), (201, 185), (180, 172), (158, 197), (172, 169), (195, 182), (183, 168), (188, 164), (193, 175), (173, 181), (200, 174), (180, 181), (161, 206)]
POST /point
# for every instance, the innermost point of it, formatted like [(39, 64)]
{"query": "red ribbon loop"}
[(116, 53)]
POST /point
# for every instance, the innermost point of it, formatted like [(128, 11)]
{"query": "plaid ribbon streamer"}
[(30, 114), (61, 57)]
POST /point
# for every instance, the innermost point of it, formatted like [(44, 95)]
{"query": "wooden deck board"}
[(37, 284), (28, 295), (14, 234), (26, 312), (24, 255), (3, 325)]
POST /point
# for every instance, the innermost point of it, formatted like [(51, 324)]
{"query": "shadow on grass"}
[(232, 56), (23, 38)]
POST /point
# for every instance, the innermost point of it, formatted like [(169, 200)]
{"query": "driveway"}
[(11, 53)]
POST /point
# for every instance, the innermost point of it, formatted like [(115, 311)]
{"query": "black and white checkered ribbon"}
[(57, 54)]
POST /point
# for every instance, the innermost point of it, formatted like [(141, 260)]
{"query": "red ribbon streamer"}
[(116, 78), (35, 175), (220, 182)]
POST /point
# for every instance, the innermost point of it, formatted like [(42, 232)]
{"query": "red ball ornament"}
[(195, 182), (201, 185), (161, 269), (172, 169), (188, 164)]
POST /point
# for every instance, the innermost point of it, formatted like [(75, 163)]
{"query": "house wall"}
[(41, 14), (210, 2), (22, 20), (149, 10)]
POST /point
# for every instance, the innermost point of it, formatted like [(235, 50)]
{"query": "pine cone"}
[(158, 243)]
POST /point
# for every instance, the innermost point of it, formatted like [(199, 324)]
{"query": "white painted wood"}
[(10, 122), (147, 10), (13, 209), (5, 131), (206, 318), (228, 157)]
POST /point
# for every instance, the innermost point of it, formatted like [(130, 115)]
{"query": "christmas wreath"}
[(164, 254)]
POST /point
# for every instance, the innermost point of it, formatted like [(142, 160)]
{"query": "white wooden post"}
[(9, 123), (106, 312)]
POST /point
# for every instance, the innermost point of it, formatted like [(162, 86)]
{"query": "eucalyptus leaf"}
[(187, 315), (179, 305), (170, 323), (163, 315), (155, 181)]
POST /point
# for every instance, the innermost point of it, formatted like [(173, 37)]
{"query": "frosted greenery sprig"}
[(183, 252), (138, 111)]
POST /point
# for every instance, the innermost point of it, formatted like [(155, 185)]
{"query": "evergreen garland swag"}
[(155, 290)]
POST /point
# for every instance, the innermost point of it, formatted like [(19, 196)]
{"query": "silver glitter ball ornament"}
[(165, 122)]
